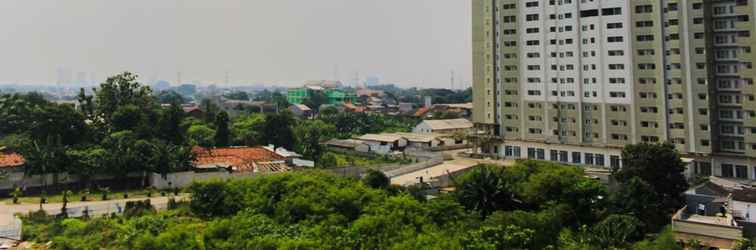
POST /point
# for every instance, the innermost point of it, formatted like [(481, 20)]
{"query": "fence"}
[(184, 179)]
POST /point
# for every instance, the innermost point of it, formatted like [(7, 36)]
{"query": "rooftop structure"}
[(243, 159), (443, 126)]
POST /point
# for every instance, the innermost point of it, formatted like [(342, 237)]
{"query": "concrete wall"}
[(184, 179)]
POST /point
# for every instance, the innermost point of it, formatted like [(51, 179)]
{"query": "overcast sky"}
[(273, 41)]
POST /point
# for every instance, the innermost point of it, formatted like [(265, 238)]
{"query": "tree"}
[(237, 95), (222, 134), (660, 166), (119, 91), (171, 125), (616, 231), (310, 135), (247, 129), (484, 190), (201, 135), (637, 198), (277, 129), (210, 109), (170, 96), (499, 237), (376, 179)]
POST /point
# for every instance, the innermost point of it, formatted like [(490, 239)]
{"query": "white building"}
[(449, 126)]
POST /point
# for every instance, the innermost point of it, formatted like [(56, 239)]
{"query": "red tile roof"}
[(421, 111), (239, 158), (9, 160)]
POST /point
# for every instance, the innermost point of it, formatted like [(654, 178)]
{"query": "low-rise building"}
[(348, 145), (301, 110), (717, 214), (384, 143), (240, 159), (449, 126)]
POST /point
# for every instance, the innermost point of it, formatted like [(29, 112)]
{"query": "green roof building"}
[(335, 96)]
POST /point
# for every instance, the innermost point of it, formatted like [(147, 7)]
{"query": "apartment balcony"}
[(713, 231)]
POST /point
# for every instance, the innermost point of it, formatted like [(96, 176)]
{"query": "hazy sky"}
[(273, 41)]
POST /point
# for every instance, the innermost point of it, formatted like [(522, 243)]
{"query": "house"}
[(717, 213), (351, 108), (449, 126), (10, 161), (292, 158), (193, 111), (240, 159), (421, 142), (384, 143), (301, 110), (348, 145)]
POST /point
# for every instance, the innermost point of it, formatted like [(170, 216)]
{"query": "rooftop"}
[(417, 137), (348, 143), (449, 124), (238, 158), (381, 137), (10, 159)]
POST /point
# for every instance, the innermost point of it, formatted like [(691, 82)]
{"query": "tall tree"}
[(660, 166), (277, 129), (171, 124), (222, 134), (121, 90)]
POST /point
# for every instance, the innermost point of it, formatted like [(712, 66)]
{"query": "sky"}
[(413, 42)]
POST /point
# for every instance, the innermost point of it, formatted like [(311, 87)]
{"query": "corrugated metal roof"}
[(449, 124), (381, 137)]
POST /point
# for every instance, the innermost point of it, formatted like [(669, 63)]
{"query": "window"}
[(703, 168), (553, 155), (599, 158), (614, 25), (727, 170), (615, 39), (531, 153), (531, 17), (588, 159), (614, 161), (644, 9), (563, 156), (611, 11), (512, 151), (576, 157), (741, 172)]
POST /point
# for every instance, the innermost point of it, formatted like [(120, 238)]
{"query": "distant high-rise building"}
[(576, 80)]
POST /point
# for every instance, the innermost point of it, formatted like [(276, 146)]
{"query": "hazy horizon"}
[(413, 42)]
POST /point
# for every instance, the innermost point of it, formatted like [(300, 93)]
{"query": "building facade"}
[(576, 80)]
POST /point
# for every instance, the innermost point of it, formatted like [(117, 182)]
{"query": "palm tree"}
[(485, 190)]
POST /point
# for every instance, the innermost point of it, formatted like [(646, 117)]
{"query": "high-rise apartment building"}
[(576, 80)]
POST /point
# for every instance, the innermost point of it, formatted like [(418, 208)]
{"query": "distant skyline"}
[(413, 42)]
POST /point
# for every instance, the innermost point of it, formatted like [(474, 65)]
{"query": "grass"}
[(343, 159), (94, 195)]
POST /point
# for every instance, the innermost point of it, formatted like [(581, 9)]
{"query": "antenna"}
[(452, 79)]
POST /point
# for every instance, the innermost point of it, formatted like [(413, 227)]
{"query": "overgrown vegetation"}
[(533, 205)]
